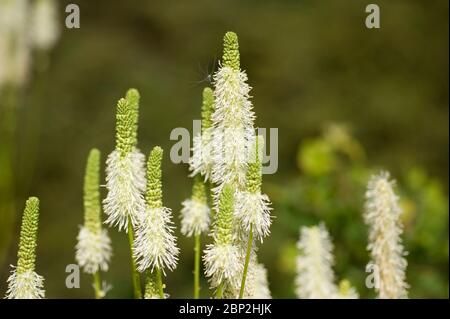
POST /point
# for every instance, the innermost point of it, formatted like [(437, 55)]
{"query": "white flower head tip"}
[(125, 181), (155, 244), (195, 211), (25, 285), (315, 278), (221, 263), (382, 214), (254, 209), (93, 250)]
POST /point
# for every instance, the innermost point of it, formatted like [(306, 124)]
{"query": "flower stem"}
[(159, 283), (97, 285), (247, 260), (197, 267), (219, 291), (134, 273)]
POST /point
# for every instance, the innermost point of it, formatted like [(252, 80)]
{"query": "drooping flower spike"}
[(252, 207), (125, 168), (382, 214), (202, 160), (195, 212), (222, 257), (93, 250), (24, 282), (233, 133), (155, 245)]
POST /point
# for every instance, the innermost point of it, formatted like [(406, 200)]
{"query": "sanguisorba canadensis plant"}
[(24, 282), (125, 177), (155, 246), (93, 250), (382, 215)]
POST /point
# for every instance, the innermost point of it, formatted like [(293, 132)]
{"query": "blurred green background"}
[(347, 101)]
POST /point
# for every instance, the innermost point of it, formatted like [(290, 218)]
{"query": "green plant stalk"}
[(134, 273), (197, 267), (159, 283), (97, 285), (247, 260), (219, 291)]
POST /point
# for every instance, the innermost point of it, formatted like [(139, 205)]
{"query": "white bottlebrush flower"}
[(232, 119), (195, 211), (155, 244), (44, 30), (315, 278), (222, 263), (125, 181), (382, 214), (25, 285), (93, 250), (14, 42)]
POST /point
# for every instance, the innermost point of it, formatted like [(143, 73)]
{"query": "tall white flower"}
[(222, 258), (233, 118), (24, 282), (155, 244), (382, 214), (202, 160), (44, 30), (195, 211), (125, 168), (315, 278), (93, 250)]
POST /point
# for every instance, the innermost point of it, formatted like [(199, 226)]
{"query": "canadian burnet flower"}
[(252, 208), (232, 119), (346, 291), (24, 282), (44, 30), (382, 215), (195, 214), (155, 244), (201, 161), (221, 258), (93, 250), (125, 168), (315, 278)]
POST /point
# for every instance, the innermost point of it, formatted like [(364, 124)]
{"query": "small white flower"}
[(155, 244), (315, 278), (93, 250), (125, 181), (44, 24), (26, 285), (382, 214), (194, 217), (222, 262), (253, 209), (202, 159)]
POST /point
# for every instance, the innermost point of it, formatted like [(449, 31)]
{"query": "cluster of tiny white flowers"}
[(257, 285), (194, 217), (315, 278), (382, 214), (155, 244), (26, 285), (254, 209), (125, 181), (93, 250), (222, 262)]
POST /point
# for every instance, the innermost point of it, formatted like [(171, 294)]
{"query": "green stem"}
[(219, 292), (134, 273), (98, 285), (159, 283), (247, 260), (197, 267)]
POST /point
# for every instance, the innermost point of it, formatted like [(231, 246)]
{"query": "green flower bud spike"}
[(151, 287), (28, 236), (133, 98), (199, 190), (207, 108), (254, 173), (125, 127), (92, 211), (153, 194), (224, 221), (231, 51)]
